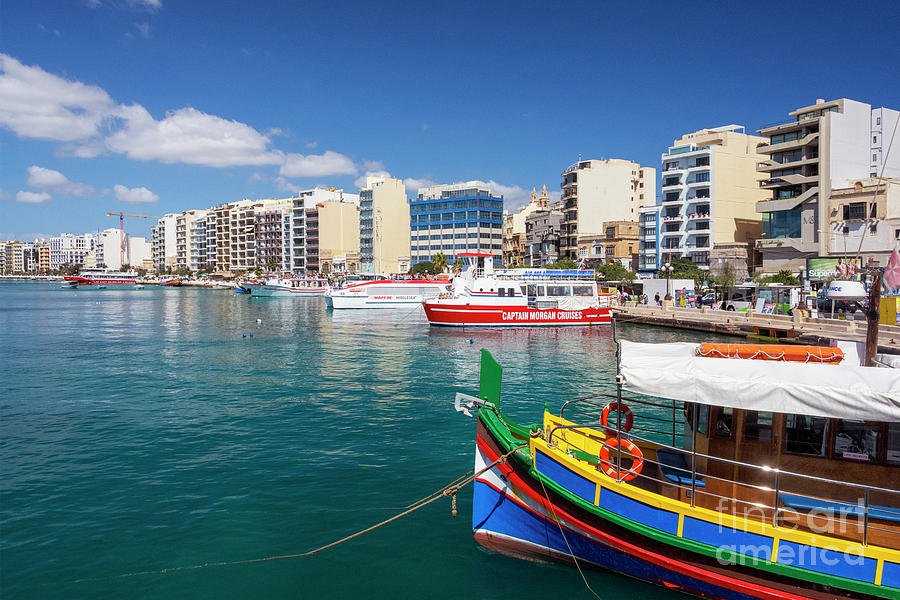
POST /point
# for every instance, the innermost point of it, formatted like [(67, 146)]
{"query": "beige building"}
[(384, 232), (515, 240), (823, 147), (618, 243), (597, 191), (864, 220), (338, 236), (710, 190), (186, 237)]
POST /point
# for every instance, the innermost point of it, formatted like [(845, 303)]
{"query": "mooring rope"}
[(448, 490), (566, 540)]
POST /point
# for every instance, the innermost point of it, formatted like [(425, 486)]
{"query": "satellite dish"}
[(846, 290)]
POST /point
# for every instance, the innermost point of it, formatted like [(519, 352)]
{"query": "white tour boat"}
[(386, 293), (275, 287), (103, 277), (482, 297)]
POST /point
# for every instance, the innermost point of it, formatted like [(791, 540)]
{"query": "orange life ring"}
[(604, 417), (627, 446)]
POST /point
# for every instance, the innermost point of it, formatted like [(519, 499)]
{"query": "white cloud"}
[(151, 5), (313, 144), (412, 184), (256, 176), (317, 165), (273, 131), (286, 186), (48, 179), (32, 197), (189, 136), (36, 104), (134, 195), (513, 195), (143, 29)]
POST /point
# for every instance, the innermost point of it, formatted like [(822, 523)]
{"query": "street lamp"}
[(667, 269)]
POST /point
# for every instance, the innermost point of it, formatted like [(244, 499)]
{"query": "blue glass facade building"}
[(456, 218)]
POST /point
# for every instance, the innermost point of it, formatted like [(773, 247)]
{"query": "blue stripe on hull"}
[(494, 512)]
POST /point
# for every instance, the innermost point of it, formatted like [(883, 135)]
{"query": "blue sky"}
[(155, 106)]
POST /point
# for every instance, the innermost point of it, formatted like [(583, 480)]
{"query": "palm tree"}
[(440, 262)]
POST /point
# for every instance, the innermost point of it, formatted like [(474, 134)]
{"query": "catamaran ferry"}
[(103, 277), (481, 297), (386, 293)]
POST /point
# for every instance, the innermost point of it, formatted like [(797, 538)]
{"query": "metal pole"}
[(866, 515), (674, 416), (775, 505), (619, 432), (694, 455)]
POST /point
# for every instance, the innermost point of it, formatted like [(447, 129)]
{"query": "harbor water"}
[(148, 429)]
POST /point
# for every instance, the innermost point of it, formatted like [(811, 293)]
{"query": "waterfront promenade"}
[(795, 328)]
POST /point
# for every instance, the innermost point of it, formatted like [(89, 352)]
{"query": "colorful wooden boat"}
[(763, 498)]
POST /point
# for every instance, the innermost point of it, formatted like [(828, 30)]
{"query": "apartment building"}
[(68, 249), (542, 235), (710, 190), (648, 241), (514, 235), (163, 241), (618, 243), (333, 242), (44, 257), (189, 224), (302, 227), (384, 226), (597, 191), (822, 147), (456, 218)]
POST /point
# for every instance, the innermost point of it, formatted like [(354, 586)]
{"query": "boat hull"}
[(375, 301), (461, 315), (93, 281)]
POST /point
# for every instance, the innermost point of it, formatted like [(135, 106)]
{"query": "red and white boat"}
[(386, 293), (103, 277), (536, 298)]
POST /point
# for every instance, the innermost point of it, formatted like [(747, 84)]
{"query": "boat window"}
[(558, 290), (724, 422), (893, 444), (582, 290), (501, 291), (702, 414), (805, 435), (535, 290), (757, 426), (856, 440)]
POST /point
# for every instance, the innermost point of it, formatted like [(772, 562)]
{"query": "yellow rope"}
[(566, 540), (448, 490)]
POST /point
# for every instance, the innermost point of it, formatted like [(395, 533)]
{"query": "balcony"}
[(669, 202), (669, 219), (788, 145), (786, 203), (671, 233), (786, 180), (698, 216), (671, 185), (767, 166)]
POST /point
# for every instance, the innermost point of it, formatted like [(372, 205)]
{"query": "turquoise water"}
[(141, 430)]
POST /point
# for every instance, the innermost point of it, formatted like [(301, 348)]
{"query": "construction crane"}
[(122, 216)]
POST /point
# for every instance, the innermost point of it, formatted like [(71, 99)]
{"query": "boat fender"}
[(628, 447), (626, 412)]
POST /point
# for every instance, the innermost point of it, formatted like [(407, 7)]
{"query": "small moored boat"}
[(296, 288), (386, 293)]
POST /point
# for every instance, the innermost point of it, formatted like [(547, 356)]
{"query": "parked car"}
[(708, 299), (823, 304)]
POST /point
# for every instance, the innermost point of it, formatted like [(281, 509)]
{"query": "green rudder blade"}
[(491, 375)]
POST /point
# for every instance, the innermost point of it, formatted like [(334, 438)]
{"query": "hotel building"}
[(163, 243), (597, 191), (68, 249), (822, 147), (542, 229), (455, 218), (648, 241), (710, 189), (619, 243), (384, 226)]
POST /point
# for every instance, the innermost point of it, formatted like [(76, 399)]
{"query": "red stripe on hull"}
[(512, 316), (636, 551)]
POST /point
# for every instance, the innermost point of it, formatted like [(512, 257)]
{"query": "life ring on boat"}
[(614, 406), (627, 446)]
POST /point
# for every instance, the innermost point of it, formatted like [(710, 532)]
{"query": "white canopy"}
[(839, 391)]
